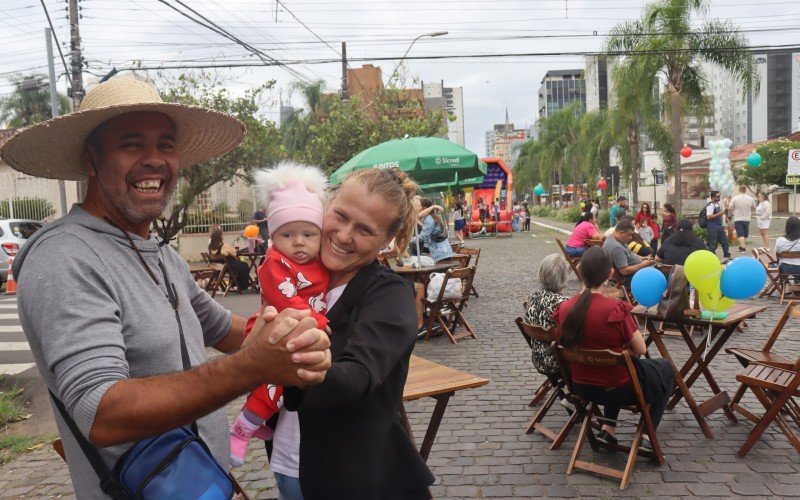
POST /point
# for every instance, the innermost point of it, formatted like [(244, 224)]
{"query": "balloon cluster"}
[(720, 177), (717, 286)]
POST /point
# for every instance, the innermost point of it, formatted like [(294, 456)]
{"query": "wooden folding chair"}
[(589, 411), (545, 386), (533, 334), (618, 282), (774, 387), (574, 262), (448, 312), (206, 279), (765, 355), (784, 283), (476, 253), (771, 267)]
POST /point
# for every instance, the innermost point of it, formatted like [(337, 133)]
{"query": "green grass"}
[(11, 409), (12, 446)]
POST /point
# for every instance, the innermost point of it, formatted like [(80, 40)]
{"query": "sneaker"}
[(742, 250), (421, 332), (241, 432), (569, 405), (646, 445), (606, 439)]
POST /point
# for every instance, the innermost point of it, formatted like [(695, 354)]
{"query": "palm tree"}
[(664, 42), (29, 104), (634, 112), (559, 135)]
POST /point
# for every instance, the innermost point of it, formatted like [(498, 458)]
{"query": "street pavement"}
[(481, 450)]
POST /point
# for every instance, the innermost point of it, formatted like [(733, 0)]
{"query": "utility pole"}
[(76, 60), (48, 35), (76, 63), (345, 84)]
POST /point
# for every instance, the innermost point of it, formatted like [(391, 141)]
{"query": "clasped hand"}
[(287, 348)]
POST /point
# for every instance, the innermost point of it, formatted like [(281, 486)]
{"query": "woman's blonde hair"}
[(397, 189)]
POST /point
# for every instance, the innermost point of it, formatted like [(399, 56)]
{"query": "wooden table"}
[(256, 259), (429, 379), (698, 364), (423, 274)]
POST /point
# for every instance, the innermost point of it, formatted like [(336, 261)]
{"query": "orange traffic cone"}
[(11, 284)]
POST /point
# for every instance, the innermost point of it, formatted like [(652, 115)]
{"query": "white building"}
[(774, 112), (437, 96)]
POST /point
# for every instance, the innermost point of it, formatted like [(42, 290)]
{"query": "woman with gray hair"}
[(540, 306)]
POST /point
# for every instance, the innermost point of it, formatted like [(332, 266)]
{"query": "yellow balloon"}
[(713, 300), (703, 270)]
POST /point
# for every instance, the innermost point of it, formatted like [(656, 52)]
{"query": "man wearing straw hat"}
[(103, 303)]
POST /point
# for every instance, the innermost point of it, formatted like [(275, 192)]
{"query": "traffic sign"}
[(793, 162)]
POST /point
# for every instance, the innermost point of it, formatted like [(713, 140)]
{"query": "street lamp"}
[(655, 173), (396, 68)]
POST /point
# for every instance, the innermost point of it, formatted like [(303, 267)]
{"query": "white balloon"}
[(728, 143), (726, 152)]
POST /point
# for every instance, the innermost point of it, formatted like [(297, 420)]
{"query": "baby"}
[(291, 276)]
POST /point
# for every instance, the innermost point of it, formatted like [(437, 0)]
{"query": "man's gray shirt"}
[(93, 316), (621, 256)]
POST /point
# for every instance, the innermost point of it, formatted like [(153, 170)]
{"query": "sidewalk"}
[(481, 450)]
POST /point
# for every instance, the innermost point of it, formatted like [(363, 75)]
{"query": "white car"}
[(13, 234)]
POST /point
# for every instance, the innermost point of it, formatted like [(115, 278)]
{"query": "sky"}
[(129, 33)]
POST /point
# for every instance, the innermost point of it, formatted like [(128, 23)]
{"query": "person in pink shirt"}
[(585, 229)]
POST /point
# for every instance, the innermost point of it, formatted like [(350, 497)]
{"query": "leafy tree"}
[(772, 170), (260, 148), (29, 103), (334, 131), (665, 42)]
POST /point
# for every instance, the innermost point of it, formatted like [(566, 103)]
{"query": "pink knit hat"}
[(292, 192)]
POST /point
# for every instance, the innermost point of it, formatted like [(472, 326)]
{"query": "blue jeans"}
[(288, 487), (716, 234), (574, 252)]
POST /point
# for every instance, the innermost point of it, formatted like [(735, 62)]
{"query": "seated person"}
[(675, 249), (585, 229), (592, 321), (637, 245), (541, 304), (434, 235), (789, 242), (625, 261)]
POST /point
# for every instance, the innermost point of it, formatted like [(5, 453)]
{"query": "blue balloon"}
[(648, 285), (742, 278)]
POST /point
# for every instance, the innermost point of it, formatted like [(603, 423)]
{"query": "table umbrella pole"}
[(416, 262)]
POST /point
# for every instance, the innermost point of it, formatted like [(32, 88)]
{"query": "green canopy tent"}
[(428, 160)]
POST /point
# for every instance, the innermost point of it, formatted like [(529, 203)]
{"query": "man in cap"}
[(104, 304)]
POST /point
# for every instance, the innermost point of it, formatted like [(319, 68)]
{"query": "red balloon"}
[(602, 184), (686, 151)]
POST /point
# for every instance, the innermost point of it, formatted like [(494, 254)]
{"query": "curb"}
[(554, 228)]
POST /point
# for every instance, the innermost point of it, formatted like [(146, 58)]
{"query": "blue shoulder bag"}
[(174, 465)]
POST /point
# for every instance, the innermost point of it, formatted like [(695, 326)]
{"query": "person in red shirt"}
[(592, 321), (644, 217), (292, 276)]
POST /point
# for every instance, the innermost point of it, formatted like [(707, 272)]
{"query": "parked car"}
[(13, 234)]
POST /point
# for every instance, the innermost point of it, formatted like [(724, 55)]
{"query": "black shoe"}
[(646, 445), (606, 439), (742, 250), (421, 332)]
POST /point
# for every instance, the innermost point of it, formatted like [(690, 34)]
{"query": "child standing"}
[(291, 276)]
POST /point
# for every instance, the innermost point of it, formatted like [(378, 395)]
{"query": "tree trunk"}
[(633, 142), (675, 108)]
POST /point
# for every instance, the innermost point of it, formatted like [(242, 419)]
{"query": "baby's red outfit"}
[(285, 283)]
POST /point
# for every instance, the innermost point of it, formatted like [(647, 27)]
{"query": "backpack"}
[(702, 221)]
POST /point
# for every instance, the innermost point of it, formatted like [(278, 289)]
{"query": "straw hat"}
[(54, 149)]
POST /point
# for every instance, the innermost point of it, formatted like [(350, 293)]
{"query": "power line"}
[(217, 29), (58, 45), (752, 49)]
